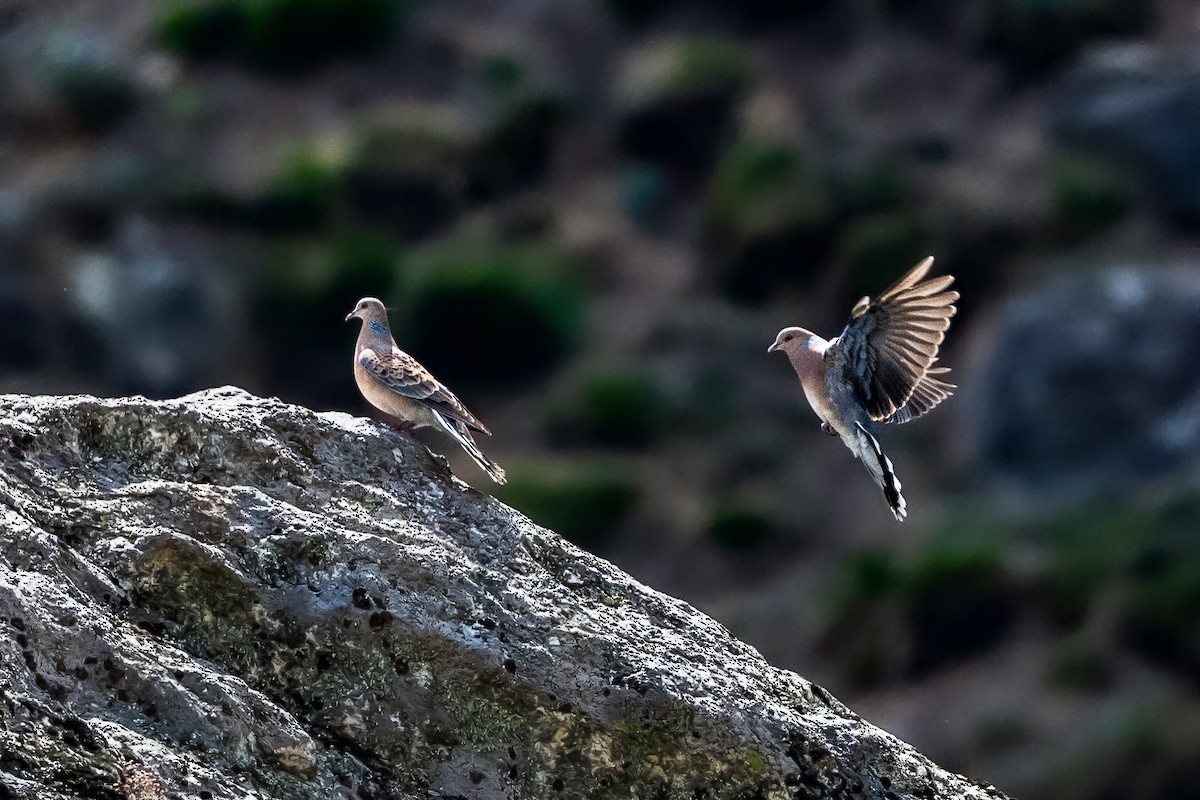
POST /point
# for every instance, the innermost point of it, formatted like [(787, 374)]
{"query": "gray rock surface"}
[(1111, 352), (223, 596), (1140, 105)]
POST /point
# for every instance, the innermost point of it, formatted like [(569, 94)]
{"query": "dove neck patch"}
[(378, 327)]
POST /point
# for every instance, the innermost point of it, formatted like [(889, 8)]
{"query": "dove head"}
[(791, 340), (369, 309)]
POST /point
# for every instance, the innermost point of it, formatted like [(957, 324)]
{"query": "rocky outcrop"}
[(223, 596), (1109, 352), (1140, 105)]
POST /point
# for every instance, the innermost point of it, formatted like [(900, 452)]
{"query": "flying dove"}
[(879, 369), (396, 384)]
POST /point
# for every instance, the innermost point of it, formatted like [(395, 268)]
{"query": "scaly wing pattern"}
[(401, 373)]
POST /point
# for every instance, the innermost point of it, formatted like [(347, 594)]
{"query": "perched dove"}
[(396, 384), (879, 369)]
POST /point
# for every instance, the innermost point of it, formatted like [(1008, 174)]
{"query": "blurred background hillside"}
[(591, 217)]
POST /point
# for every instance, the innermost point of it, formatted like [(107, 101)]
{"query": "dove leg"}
[(401, 425), (827, 429)]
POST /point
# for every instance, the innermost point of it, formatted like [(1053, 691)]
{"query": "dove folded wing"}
[(401, 373)]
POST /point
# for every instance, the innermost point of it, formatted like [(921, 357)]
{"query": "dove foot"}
[(402, 425), (827, 430)]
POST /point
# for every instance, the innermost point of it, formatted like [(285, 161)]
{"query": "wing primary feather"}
[(909, 279)]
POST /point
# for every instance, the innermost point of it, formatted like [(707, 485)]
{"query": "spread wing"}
[(402, 374), (928, 392), (887, 350)]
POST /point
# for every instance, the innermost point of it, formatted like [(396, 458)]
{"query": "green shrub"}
[(515, 153), (306, 288), (618, 407), (684, 113), (280, 36), (424, 141), (865, 578), (300, 197), (295, 34), (504, 74), (878, 186), (868, 652), (203, 28), (954, 563), (953, 597), (709, 65), (363, 263), (943, 567), (738, 525), (959, 601), (762, 186), (1088, 195), (302, 332), (492, 314), (407, 178), (1143, 552), (314, 276), (877, 250), (295, 276), (515, 149), (1088, 550), (585, 502), (768, 211), (1162, 618)]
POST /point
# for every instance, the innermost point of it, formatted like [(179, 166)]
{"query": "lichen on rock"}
[(224, 596)]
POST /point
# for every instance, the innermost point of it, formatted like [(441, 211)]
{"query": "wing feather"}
[(928, 392), (888, 349), (403, 374)]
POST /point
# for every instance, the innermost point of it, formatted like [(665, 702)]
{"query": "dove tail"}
[(880, 467), (462, 435)]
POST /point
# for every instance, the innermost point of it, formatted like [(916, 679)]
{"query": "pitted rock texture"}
[(223, 596)]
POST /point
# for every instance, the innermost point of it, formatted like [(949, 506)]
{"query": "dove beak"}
[(350, 316), (773, 347)]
